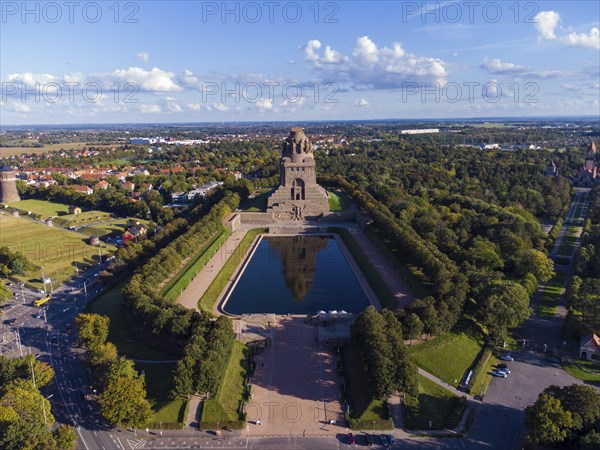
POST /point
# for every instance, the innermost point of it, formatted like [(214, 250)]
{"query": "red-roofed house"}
[(589, 347), (79, 188), (102, 185)]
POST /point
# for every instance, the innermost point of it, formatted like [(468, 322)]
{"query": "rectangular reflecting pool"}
[(296, 275)]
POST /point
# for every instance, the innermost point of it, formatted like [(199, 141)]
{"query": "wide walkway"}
[(196, 289)]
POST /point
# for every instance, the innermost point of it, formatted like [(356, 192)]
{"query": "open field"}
[(158, 385), (111, 304), (16, 151), (53, 249), (551, 295), (434, 405), (447, 357), (42, 207), (226, 405)]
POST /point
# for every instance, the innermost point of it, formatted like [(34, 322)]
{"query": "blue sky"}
[(153, 61)]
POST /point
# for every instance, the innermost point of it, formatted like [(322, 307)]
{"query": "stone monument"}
[(8, 185), (298, 196)]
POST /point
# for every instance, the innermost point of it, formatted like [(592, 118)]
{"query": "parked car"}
[(384, 440), (503, 369), (499, 374), (351, 440), (391, 439), (507, 357), (9, 321), (368, 440), (501, 366)]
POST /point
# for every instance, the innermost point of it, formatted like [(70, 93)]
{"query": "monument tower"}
[(298, 196), (8, 185)]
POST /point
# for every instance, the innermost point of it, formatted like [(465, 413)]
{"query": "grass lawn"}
[(180, 281), (211, 295), (447, 357), (110, 304), (52, 249), (159, 379), (43, 207), (383, 293), (482, 375), (435, 404), (576, 370), (258, 203), (338, 201), (364, 408), (551, 295), (567, 246), (226, 405)]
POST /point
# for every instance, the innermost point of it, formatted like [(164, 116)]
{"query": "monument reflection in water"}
[(297, 275)]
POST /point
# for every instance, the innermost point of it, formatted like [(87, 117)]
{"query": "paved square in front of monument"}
[(295, 387)]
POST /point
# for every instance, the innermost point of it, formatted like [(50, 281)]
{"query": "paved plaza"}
[(295, 388)]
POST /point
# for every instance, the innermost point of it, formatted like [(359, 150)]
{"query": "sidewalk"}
[(196, 289)]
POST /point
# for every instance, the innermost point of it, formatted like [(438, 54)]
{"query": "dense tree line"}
[(142, 298), (25, 414), (122, 390), (583, 293), (380, 341), (568, 417)]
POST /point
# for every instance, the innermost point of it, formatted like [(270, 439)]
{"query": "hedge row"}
[(380, 424)]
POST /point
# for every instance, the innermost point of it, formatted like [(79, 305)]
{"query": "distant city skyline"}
[(184, 61)]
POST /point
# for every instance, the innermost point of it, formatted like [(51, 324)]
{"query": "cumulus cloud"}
[(496, 66), (361, 102), (189, 78), (193, 106), (591, 40), (546, 23), (146, 108), (31, 79), (372, 66), (264, 104), (142, 56), (155, 80), (221, 107)]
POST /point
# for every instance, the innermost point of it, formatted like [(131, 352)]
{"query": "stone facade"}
[(8, 185), (298, 196)]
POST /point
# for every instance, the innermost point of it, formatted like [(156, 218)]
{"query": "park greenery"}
[(122, 390), (583, 292), (26, 419), (568, 417)]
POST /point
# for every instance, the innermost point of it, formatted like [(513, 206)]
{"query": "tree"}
[(5, 293), (413, 327), (547, 421), (65, 437), (92, 329), (590, 441), (102, 355), (537, 263), (583, 402), (124, 398)]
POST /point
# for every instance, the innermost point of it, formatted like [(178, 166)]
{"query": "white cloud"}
[(155, 80), (496, 66), (30, 79), (221, 107), (310, 48), (189, 78), (193, 106), (361, 103), (170, 105), (370, 66), (546, 23), (591, 40), (149, 109), (142, 56), (365, 51), (264, 104)]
